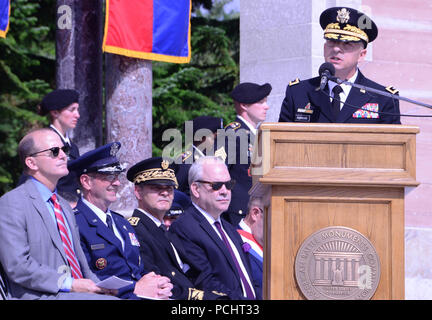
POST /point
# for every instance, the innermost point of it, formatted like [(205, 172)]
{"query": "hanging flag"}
[(149, 29), (4, 17)]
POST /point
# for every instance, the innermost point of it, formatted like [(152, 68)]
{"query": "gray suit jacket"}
[(31, 250)]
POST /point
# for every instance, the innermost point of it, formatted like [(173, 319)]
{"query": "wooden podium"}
[(314, 176)]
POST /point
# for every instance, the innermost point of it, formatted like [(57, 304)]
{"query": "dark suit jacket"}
[(158, 255), (239, 171), (303, 95), (208, 254), (103, 249)]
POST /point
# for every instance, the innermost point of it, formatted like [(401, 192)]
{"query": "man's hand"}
[(88, 286), (154, 286)]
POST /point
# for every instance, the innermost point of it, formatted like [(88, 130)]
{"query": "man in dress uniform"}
[(162, 252), (199, 148), (107, 239), (250, 100), (347, 33)]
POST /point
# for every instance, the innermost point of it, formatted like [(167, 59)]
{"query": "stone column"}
[(129, 117), (79, 64)]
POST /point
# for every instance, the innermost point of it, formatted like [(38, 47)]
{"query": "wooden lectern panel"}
[(296, 213), (333, 175)]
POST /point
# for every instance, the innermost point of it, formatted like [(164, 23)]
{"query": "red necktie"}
[(67, 245)]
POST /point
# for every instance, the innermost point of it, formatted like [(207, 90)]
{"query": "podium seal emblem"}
[(337, 263)]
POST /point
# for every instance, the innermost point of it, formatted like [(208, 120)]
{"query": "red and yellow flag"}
[(149, 29)]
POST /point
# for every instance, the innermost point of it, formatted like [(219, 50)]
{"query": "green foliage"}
[(183, 92), (27, 65)]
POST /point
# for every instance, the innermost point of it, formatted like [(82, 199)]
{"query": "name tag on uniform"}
[(97, 246), (302, 118), (133, 239)]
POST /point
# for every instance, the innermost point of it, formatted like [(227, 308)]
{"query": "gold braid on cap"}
[(348, 33), (155, 174)]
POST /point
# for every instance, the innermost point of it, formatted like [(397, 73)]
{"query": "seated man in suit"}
[(107, 239), (40, 250), (162, 252), (251, 230), (212, 244)]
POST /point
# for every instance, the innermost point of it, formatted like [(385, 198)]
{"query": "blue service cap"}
[(180, 203), (249, 93), (101, 160)]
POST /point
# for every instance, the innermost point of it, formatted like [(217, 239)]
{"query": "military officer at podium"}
[(250, 101), (347, 32)]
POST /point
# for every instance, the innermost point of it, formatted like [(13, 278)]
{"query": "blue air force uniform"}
[(109, 253), (104, 251)]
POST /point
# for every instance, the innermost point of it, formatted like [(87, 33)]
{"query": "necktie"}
[(336, 101), (67, 244), (249, 293), (109, 222)]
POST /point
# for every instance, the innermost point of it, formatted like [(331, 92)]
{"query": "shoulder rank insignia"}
[(233, 125), (294, 82), (133, 221), (392, 90), (221, 153), (75, 210), (195, 294), (186, 155), (219, 293)]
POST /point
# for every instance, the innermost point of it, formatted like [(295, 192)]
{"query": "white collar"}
[(101, 215), (65, 139), (208, 217), (244, 226), (152, 218), (345, 87), (251, 128)]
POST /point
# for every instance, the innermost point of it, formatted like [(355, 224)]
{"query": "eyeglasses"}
[(217, 185), (55, 151), (110, 177)]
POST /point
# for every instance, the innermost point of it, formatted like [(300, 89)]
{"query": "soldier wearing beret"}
[(108, 241), (199, 148), (347, 32), (250, 101), (162, 251)]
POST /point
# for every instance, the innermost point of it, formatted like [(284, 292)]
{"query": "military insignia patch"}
[(368, 111), (133, 221), (307, 109), (186, 155), (195, 294), (221, 153), (392, 90), (133, 239), (294, 82), (101, 263), (233, 125), (343, 15)]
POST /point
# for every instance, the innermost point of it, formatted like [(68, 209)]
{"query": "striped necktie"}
[(248, 289), (67, 244)]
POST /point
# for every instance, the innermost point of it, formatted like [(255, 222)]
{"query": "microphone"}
[(326, 71)]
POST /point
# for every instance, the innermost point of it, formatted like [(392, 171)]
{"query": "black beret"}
[(58, 99), (154, 170), (207, 122), (347, 24), (248, 92), (101, 160)]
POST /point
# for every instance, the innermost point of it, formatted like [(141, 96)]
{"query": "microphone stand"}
[(383, 93)]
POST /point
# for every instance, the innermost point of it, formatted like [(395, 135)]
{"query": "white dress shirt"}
[(345, 89)]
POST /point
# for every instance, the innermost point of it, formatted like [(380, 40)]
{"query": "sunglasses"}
[(217, 185), (55, 151)]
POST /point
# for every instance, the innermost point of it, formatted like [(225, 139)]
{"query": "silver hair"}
[(196, 170)]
